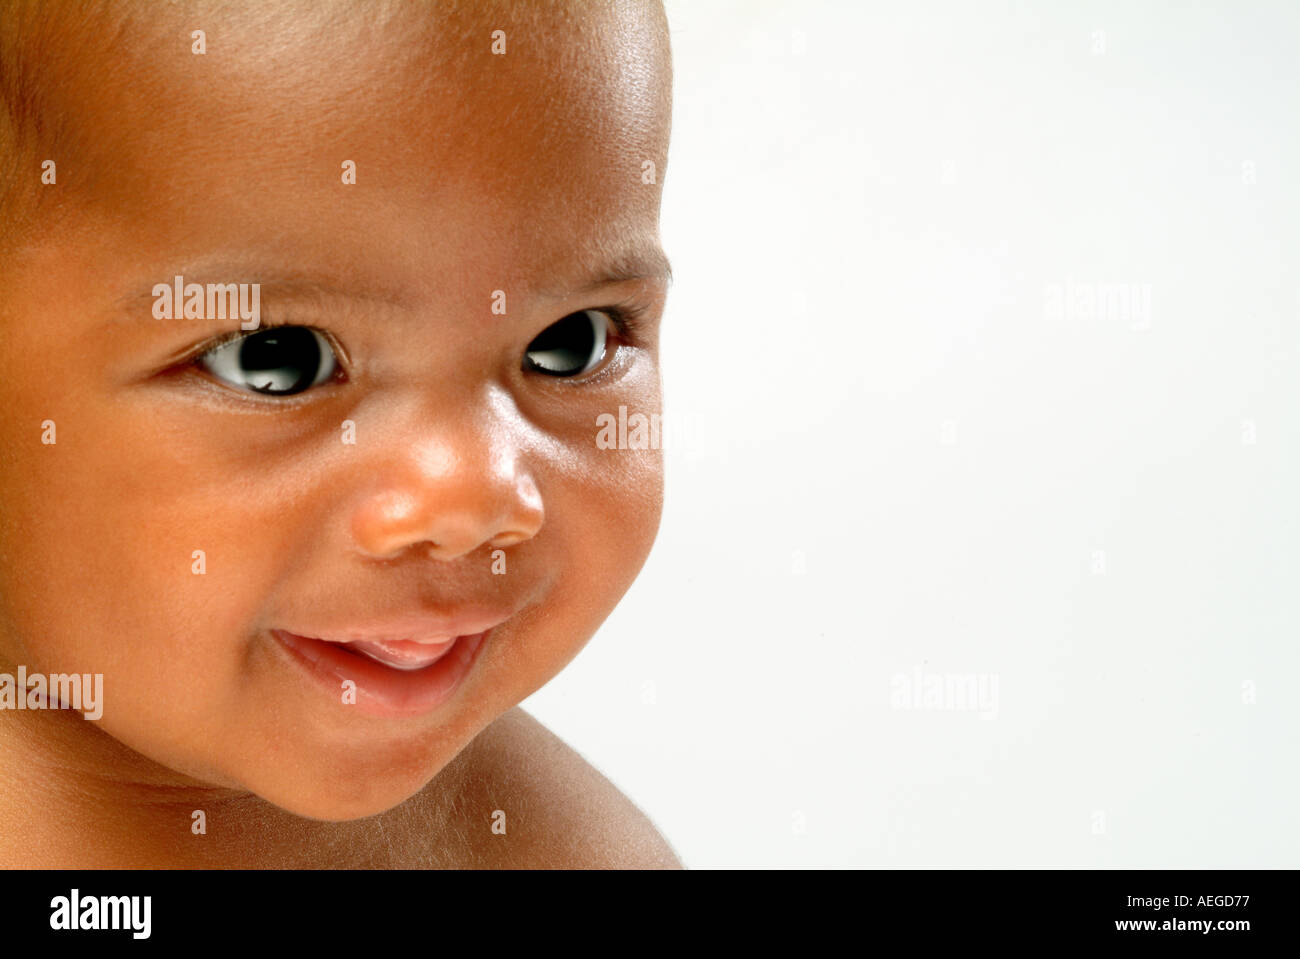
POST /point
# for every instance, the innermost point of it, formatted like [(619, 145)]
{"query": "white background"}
[(909, 442)]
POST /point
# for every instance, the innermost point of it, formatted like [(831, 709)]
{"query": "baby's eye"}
[(571, 346), (280, 360)]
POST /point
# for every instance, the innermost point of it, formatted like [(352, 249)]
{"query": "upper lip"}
[(414, 627)]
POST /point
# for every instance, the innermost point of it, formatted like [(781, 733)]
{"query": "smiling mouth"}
[(388, 677), (403, 654)]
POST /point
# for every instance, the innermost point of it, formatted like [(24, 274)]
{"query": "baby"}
[(308, 314)]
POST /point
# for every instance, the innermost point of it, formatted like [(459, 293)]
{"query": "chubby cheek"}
[(122, 561), (603, 505), (602, 516)]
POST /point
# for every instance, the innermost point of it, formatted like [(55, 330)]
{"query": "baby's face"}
[(412, 498)]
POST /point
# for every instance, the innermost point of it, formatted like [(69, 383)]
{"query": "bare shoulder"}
[(537, 804)]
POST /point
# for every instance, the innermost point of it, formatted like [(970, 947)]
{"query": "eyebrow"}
[(645, 262), (281, 284)]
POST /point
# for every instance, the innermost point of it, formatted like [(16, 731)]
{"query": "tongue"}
[(403, 654)]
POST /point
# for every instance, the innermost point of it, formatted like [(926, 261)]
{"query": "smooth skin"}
[(475, 173)]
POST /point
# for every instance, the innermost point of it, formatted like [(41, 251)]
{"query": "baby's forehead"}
[(325, 46), (147, 98)]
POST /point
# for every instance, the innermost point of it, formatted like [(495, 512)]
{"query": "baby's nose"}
[(449, 502)]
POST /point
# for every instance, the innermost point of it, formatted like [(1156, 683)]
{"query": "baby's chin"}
[(340, 797), (323, 780), (345, 805), (354, 784)]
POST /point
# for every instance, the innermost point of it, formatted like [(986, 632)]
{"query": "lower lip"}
[(382, 690)]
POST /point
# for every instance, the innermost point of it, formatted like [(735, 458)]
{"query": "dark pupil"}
[(280, 361), (568, 344)]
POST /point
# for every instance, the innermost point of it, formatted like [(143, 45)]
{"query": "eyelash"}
[(191, 356), (628, 318)]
